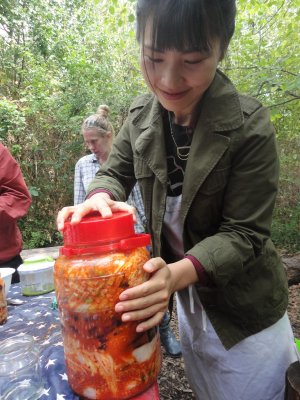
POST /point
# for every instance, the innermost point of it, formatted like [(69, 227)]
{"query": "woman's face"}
[(178, 79), (97, 144)]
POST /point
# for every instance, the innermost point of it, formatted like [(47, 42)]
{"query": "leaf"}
[(34, 192), (131, 18)]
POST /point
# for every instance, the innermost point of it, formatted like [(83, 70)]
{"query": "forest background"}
[(60, 59)]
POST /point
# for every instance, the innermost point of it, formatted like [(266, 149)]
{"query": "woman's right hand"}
[(100, 202)]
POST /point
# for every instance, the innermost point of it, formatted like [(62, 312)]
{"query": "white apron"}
[(254, 369)]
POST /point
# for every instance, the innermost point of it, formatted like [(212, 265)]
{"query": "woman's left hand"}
[(149, 301)]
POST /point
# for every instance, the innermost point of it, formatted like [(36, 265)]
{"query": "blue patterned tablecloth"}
[(37, 318)]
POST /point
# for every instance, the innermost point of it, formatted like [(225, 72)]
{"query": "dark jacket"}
[(228, 196)]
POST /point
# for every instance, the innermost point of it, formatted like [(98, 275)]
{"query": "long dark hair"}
[(187, 24)]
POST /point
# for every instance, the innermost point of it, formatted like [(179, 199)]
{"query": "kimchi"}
[(106, 358)]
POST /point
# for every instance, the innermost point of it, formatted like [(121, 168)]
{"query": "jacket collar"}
[(221, 107), (151, 111), (221, 112)]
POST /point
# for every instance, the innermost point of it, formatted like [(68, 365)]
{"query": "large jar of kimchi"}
[(106, 358)]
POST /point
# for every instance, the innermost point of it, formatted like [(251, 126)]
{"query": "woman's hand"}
[(100, 202), (149, 301)]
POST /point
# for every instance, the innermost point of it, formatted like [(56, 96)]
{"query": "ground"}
[(173, 384), (172, 381)]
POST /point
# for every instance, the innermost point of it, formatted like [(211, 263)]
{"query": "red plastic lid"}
[(96, 234)]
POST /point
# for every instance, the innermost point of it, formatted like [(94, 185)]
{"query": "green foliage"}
[(60, 59), (12, 120), (286, 228), (263, 61), (286, 218)]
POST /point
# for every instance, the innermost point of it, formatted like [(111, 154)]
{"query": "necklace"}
[(182, 151)]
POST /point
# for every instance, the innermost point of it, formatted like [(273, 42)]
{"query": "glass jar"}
[(20, 371), (106, 359), (3, 304)]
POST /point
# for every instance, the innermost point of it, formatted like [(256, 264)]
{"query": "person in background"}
[(98, 135), (15, 201)]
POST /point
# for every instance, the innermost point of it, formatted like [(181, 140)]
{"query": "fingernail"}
[(139, 329), (150, 267), (125, 317)]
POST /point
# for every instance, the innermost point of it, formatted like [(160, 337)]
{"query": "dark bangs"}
[(184, 24)]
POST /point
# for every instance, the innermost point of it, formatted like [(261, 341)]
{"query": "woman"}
[(206, 162)]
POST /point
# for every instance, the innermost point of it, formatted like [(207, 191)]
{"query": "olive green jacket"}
[(228, 196)]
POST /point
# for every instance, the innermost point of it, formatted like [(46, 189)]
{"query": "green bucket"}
[(297, 344)]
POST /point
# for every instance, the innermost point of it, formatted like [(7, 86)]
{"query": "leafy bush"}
[(59, 60), (286, 218), (286, 228)]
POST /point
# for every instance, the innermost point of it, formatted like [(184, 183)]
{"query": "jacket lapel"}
[(207, 149), (221, 112), (150, 143)]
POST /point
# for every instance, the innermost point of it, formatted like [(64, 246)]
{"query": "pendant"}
[(183, 152)]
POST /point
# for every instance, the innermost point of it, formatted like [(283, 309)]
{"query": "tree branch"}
[(280, 104)]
